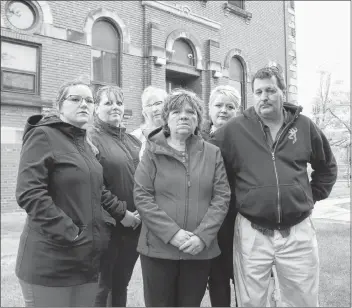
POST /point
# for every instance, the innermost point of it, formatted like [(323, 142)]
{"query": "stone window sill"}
[(20, 99), (238, 11)]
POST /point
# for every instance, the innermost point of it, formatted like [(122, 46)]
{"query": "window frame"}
[(37, 74), (117, 53), (242, 82), (234, 9), (36, 15), (240, 7)]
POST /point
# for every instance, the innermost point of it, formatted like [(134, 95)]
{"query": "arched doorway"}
[(181, 69)]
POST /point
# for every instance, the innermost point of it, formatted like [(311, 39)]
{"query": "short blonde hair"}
[(228, 91), (149, 92)]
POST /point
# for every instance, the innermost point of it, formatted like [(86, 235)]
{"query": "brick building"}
[(194, 44)]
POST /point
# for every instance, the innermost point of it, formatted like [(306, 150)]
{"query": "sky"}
[(322, 43)]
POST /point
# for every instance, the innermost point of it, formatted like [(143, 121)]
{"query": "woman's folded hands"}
[(187, 242)]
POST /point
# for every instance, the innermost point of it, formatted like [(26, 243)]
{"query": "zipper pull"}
[(189, 183), (273, 157)]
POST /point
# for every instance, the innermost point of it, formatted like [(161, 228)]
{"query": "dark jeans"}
[(221, 272), (174, 283), (117, 266), (73, 296)]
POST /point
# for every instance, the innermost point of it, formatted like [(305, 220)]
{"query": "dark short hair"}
[(177, 99), (267, 73), (109, 90)]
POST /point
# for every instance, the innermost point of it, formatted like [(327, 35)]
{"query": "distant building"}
[(193, 44)]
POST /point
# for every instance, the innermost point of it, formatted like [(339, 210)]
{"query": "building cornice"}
[(184, 11)]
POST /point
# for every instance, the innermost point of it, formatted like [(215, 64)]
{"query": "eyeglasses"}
[(158, 103), (77, 99)]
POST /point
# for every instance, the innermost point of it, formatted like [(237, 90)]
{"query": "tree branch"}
[(343, 122)]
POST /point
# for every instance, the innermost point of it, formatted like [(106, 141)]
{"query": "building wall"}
[(145, 26)]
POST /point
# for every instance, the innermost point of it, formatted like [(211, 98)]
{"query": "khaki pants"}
[(295, 257)]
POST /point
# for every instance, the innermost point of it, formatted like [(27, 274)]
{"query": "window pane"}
[(110, 67), (104, 66), (105, 36), (238, 3), (236, 70), (19, 57), (13, 81), (20, 15), (97, 65), (237, 85), (183, 53)]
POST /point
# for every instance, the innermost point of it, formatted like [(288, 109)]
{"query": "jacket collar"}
[(157, 143), (110, 129)]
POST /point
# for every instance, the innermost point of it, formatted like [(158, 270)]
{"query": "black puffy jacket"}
[(60, 186)]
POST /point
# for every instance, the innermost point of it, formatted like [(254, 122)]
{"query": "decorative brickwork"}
[(148, 30)]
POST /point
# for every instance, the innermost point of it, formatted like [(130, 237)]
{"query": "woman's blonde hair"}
[(228, 91)]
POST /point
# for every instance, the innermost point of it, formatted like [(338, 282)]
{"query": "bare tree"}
[(331, 113)]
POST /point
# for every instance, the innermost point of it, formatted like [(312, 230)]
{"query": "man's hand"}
[(130, 220), (180, 237), (193, 246)]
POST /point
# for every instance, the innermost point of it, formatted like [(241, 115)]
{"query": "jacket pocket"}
[(294, 201), (260, 202), (82, 236), (64, 244)]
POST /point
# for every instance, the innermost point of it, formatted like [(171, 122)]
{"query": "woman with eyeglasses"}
[(118, 155), (152, 106), (60, 186), (224, 102)]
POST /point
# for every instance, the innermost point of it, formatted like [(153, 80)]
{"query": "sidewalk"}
[(331, 209)]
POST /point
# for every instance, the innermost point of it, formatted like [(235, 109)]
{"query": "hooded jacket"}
[(119, 157), (271, 185), (60, 186), (174, 192)]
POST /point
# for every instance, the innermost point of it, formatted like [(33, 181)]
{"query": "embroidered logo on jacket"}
[(292, 134)]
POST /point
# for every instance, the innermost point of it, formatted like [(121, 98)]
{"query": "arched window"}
[(236, 76), (183, 52), (105, 53)]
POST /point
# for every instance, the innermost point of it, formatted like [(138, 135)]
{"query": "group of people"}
[(201, 202)]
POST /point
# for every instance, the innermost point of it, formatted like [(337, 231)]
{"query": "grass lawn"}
[(334, 245)]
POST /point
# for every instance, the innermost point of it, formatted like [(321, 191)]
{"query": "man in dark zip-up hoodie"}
[(266, 152)]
